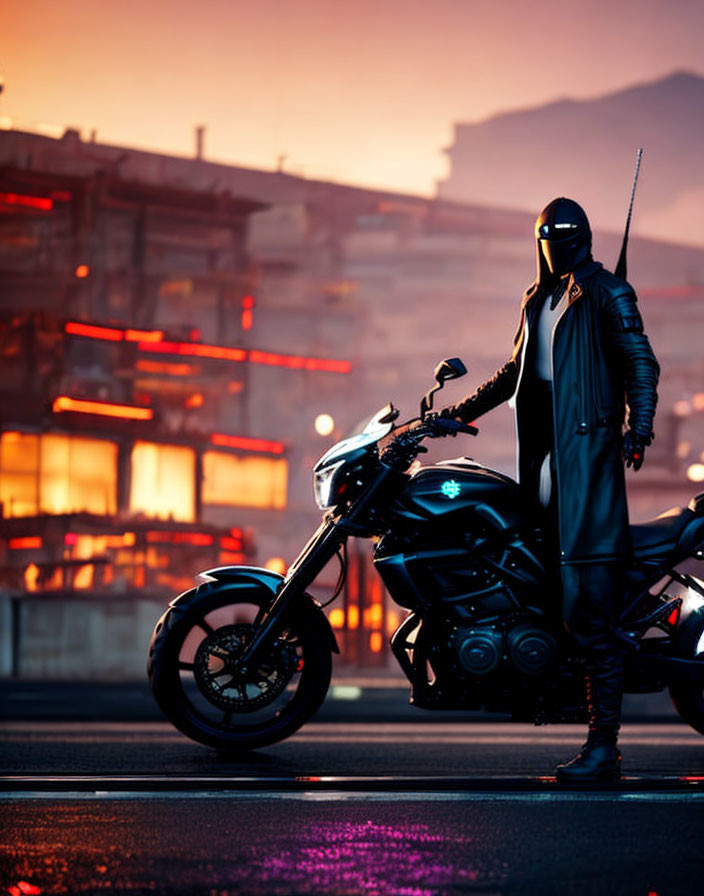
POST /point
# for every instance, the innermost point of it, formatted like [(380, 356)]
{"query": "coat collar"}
[(574, 284)]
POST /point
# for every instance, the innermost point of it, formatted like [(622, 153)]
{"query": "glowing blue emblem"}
[(450, 488)]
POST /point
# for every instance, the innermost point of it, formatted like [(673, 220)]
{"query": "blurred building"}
[(171, 329), (146, 431)]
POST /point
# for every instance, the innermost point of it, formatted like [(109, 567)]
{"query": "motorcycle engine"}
[(531, 649), (525, 647), (479, 649)]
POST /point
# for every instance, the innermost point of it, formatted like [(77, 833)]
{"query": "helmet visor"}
[(560, 231), (558, 255)]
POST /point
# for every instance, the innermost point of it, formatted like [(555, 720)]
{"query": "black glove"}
[(634, 445), (448, 413), (431, 423)]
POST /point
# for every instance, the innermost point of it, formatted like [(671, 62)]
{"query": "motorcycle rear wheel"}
[(688, 698), (193, 682)]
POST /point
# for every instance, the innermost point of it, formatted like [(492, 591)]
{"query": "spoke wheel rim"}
[(216, 675)]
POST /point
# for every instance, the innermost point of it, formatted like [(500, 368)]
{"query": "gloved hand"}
[(448, 413), (634, 445)]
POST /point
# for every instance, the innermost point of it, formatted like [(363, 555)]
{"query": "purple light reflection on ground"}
[(369, 858), (399, 846)]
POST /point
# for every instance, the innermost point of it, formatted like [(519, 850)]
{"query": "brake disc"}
[(216, 674)]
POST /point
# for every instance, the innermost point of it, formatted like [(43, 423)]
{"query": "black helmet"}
[(563, 236)]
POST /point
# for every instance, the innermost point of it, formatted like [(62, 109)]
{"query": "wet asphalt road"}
[(420, 803), (497, 827), (390, 845), (465, 750)]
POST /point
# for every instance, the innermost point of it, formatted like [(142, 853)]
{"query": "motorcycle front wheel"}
[(199, 689)]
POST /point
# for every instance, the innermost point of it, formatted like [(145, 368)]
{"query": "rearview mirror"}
[(387, 414), (449, 369)]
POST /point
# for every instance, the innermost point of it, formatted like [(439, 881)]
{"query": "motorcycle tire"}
[(688, 698), (192, 690)]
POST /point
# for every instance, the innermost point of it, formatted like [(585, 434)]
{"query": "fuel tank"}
[(462, 536), (452, 488)]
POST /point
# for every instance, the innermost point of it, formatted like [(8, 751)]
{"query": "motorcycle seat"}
[(660, 535)]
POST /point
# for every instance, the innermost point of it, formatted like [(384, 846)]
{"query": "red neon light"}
[(674, 616), (329, 365), (247, 312), (102, 408), (231, 557), (153, 341), (70, 538), (230, 544), (112, 334), (246, 444), (298, 362), (40, 202), (235, 533), (170, 369), (275, 360), (198, 538), (144, 335), (192, 538), (194, 348), (23, 544)]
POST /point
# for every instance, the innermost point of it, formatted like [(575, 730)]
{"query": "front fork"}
[(320, 549)]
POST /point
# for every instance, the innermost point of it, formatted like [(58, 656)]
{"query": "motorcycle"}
[(244, 659)]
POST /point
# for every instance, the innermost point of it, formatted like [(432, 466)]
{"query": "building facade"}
[(171, 330)]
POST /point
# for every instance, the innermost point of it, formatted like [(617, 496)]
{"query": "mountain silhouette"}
[(586, 149)]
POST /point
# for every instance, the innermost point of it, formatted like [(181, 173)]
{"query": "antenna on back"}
[(621, 263)]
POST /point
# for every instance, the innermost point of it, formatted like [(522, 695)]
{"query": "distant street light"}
[(324, 424), (276, 564), (682, 408), (695, 473)]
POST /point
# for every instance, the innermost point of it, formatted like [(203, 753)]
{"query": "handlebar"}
[(402, 444), (451, 427)]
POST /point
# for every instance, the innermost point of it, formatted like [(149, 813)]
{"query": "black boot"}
[(599, 760)]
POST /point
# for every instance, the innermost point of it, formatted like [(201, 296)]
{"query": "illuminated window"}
[(57, 474), (244, 481), (19, 484), (163, 481), (83, 576), (78, 475)]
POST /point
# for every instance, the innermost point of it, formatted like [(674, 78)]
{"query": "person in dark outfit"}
[(579, 355)]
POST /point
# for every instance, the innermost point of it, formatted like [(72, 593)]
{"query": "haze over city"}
[(247, 647), (362, 92)]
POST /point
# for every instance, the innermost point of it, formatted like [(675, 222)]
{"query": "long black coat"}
[(601, 359)]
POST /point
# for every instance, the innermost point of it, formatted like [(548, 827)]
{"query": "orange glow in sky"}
[(364, 91)]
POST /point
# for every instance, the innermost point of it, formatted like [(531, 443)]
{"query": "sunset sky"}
[(362, 91)]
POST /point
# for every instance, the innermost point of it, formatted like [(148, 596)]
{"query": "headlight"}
[(323, 483)]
